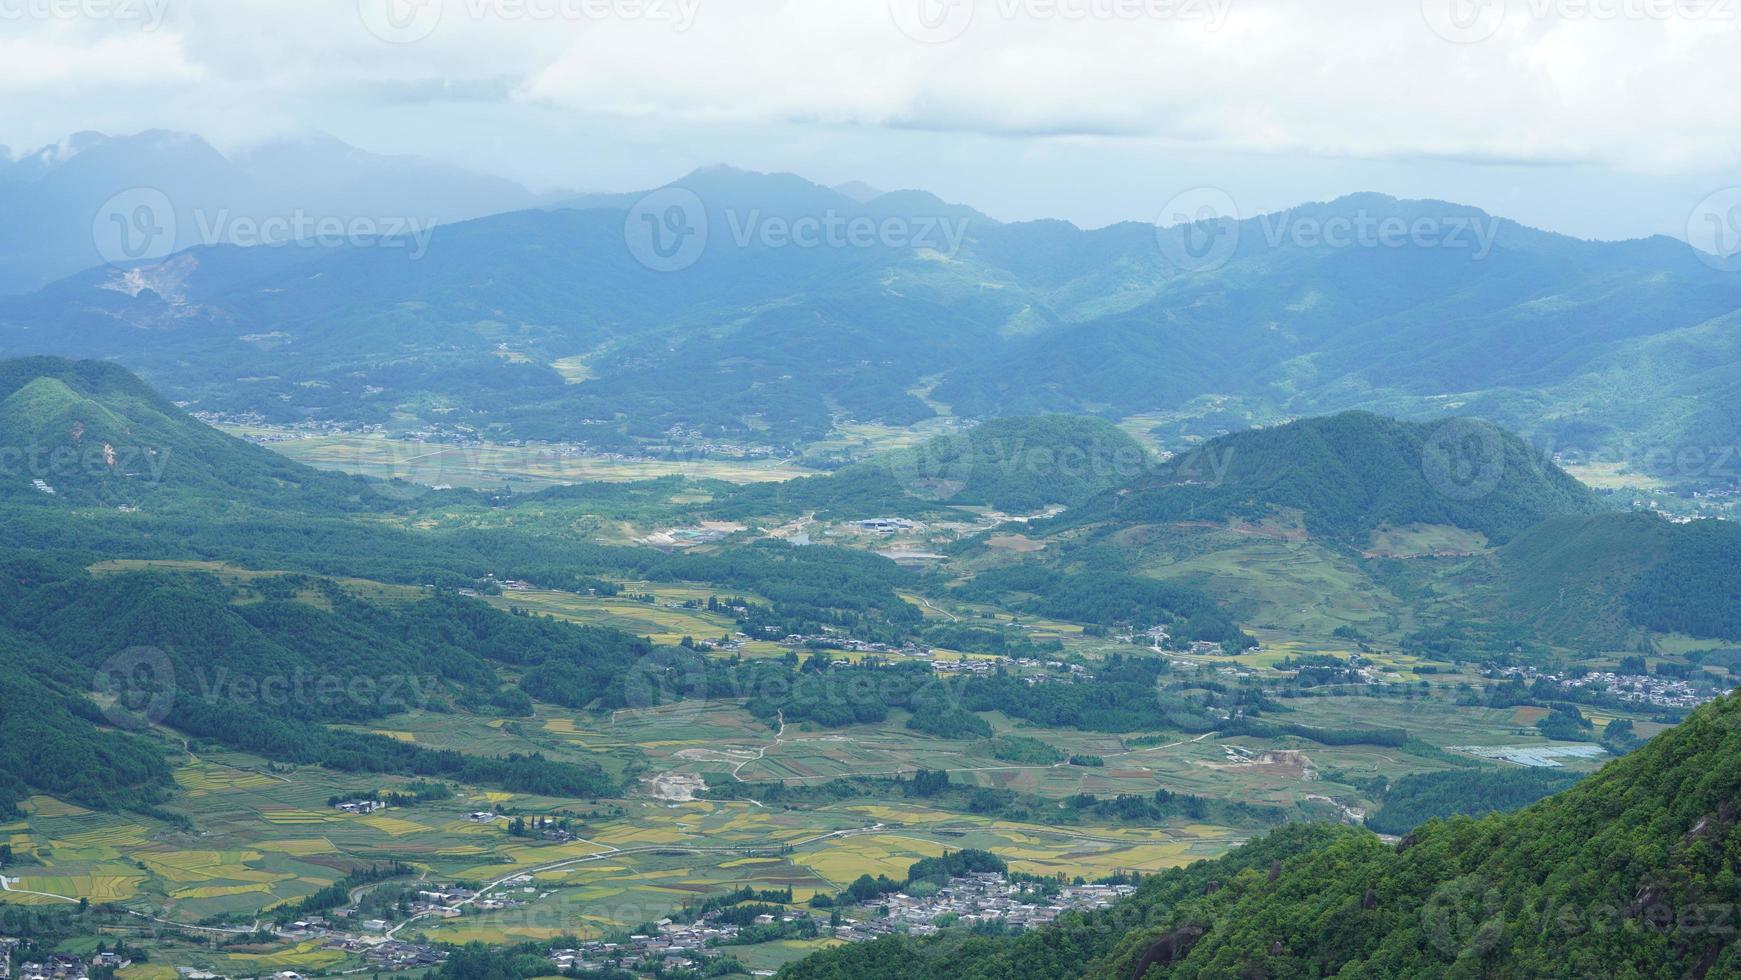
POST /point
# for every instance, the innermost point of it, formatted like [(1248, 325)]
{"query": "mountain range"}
[(805, 306), (59, 199), (796, 307)]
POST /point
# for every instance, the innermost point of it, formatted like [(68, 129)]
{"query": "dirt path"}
[(1170, 745), (934, 609), (762, 753)]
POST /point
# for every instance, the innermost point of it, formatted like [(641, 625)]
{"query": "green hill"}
[(1630, 873), (93, 433), (1603, 577), (1351, 474)]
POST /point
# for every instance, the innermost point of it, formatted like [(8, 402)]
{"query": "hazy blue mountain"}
[(767, 308), (53, 195)]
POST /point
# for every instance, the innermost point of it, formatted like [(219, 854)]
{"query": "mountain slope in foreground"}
[(1630, 874)]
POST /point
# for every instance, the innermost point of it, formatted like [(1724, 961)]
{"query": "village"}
[(974, 898), (1655, 690), (59, 966), (980, 897)]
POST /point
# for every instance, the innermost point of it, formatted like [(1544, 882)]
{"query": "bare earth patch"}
[(677, 787)]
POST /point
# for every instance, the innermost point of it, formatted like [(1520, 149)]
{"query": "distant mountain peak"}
[(858, 190)]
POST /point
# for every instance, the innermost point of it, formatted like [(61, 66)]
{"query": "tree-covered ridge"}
[(1599, 578), (1352, 473), (1413, 799), (51, 742), (269, 669), (1631, 873)]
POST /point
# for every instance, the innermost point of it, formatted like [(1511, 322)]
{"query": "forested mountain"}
[(1348, 475), (1599, 577), (798, 306), (1618, 876)]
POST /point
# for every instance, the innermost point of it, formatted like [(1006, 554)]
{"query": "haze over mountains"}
[(797, 306), (53, 195)]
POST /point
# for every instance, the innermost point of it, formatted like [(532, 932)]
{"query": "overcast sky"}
[(1601, 118)]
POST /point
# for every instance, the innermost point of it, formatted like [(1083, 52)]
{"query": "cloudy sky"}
[(1601, 118)]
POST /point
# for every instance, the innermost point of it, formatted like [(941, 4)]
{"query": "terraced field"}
[(257, 836)]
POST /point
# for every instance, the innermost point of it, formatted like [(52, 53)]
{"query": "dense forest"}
[(266, 668)]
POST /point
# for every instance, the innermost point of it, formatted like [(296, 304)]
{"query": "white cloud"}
[(65, 62), (1644, 90)]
